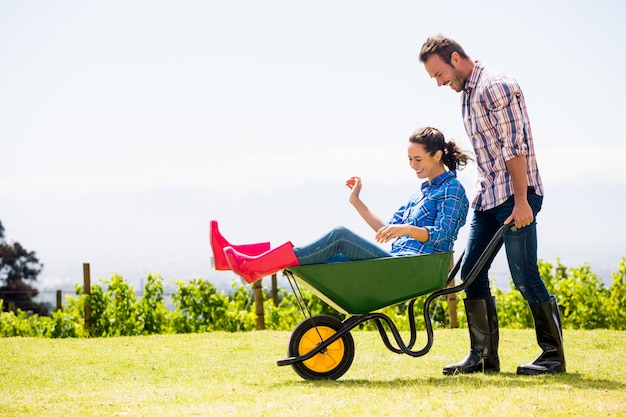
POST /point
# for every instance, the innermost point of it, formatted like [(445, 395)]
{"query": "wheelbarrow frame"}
[(381, 319)]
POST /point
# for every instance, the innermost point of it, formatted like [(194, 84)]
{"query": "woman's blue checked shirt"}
[(441, 207)]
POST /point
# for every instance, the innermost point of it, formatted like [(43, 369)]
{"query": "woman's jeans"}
[(339, 245), (521, 252)]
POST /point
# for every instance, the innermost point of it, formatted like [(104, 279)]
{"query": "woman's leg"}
[(339, 241), (339, 244)]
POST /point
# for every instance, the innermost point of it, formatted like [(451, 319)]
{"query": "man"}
[(510, 190)]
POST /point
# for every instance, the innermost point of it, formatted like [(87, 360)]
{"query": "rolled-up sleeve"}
[(502, 101)]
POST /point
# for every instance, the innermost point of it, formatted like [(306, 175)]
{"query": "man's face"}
[(444, 74)]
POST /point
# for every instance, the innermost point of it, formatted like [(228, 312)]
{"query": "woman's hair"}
[(442, 46), (433, 140)]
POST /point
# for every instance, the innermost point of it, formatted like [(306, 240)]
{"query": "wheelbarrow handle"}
[(480, 263), (482, 260), (493, 244), (484, 257)]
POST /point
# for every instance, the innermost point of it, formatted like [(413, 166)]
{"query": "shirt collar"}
[(472, 81), (440, 179)]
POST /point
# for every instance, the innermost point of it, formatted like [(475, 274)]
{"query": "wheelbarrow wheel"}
[(330, 363)]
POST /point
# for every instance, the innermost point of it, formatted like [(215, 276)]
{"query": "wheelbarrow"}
[(322, 347)]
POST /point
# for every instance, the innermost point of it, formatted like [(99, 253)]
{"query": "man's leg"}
[(480, 306), (521, 251)]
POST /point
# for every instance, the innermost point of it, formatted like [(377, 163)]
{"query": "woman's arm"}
[(384, 232), (391, 231), (370, 218)]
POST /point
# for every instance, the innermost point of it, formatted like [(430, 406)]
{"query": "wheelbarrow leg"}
[(482, 321)]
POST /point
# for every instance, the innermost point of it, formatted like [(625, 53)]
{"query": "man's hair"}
[(442, 46)]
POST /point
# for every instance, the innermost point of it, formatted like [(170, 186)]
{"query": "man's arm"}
[(522, 214)]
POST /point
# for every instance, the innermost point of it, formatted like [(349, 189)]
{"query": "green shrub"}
[(240, 314), (23, 324), (114, 312), (581, 296), (289, 311), (584, 301), (70, 320), (199, 307), (513, 311), (614, 306), (151, 310)]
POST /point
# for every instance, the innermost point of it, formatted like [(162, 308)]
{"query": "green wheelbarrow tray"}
[(359, 287)]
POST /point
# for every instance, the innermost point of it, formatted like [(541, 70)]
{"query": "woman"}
[(429, 222)]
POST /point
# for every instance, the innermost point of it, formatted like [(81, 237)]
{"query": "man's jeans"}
[(521, 252), (339, 245)]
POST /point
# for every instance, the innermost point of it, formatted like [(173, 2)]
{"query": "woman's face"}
[(424, 165)]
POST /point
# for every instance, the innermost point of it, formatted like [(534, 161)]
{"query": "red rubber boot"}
[(219, 242), (253, 268)]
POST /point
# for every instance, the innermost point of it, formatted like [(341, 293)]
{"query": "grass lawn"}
[(235, 374)]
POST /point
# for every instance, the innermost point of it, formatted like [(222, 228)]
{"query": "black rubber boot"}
[(549, 338), (482, 321)]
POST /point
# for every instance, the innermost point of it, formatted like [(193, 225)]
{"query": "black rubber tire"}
[(331, 363)]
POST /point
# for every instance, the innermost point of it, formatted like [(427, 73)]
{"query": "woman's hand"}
[(389, 232), (352, 181), (355, 185)]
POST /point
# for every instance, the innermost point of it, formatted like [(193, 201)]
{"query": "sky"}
[(126, 126)]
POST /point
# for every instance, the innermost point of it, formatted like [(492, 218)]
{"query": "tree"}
[(18, 265)]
